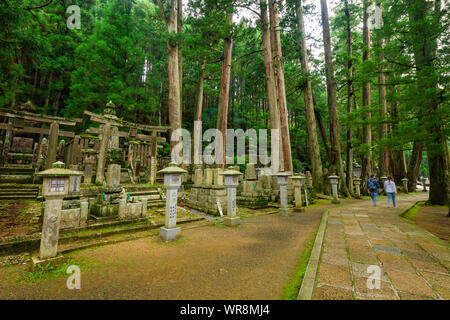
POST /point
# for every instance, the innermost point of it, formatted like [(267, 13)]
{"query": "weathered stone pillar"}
[(282, 179), (334, 180), (113, 175), (382, 180), (54, 188), (104, 143), (357, 183), (298, 183), (172, 181), (7, 143), (231, 181), (152, 170), (75, 154), (405, 184), (52, 144)]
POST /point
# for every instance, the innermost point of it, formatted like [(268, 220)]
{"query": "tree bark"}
[(282, 104), (367, 165), (313, 141), (174, 77), (424, 49), (224, 94), (382, 130), (180, 57), (269, 69), (335, 138), (414, 166), (349, 162)]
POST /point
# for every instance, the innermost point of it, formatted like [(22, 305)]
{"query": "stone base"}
[(283, 211), (55, 261), (299, 209), (231, 221), (335, 201), (169, 233)]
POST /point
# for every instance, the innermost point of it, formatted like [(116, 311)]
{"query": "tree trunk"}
[(180, 57), (367, 130), (382, 130), (313, 141), (282, 104), (224, 94), (414, 166), (349, 162), (174, 77), (424, 49), (270, 76), (335, 137), (198, 113)]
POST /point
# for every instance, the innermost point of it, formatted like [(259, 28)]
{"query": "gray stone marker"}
[(424, 184), (282, 179), (231, 181), (54, 188), (382, 180), (405, 184), (334, 180), (298, 182), (172, 181), (357, 183)]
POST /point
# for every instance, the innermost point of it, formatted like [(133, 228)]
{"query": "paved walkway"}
[(414, 264)]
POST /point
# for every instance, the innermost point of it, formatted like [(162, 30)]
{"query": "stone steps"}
[(16, 175), (12, 192), (20, 197)]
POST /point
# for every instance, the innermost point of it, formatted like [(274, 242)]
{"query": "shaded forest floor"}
[(434, 219)]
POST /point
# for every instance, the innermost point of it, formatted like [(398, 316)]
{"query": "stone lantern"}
[(231, 181), (55, 187), (382, 180), (282, 178), (356, 170), (298, 182), (172, 181), (405, 184), (357, 183), (334, 180)]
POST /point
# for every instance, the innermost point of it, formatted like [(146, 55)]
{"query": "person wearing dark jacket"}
[(372, 189)]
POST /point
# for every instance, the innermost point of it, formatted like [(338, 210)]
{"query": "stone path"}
[(414, 264)]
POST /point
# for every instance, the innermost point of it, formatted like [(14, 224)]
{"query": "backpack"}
[(371, 185)]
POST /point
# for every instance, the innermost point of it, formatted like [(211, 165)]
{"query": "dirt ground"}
[(253, 261), (434, 220)]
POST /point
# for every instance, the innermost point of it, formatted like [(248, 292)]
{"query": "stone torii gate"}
[(109, 135)]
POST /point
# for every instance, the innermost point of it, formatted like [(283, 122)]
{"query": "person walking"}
[(391, 191), (372, 189)]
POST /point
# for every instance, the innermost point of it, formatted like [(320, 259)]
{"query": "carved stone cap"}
[(58, 170)]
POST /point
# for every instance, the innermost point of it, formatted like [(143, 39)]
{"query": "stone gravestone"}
[(113, 175), (250, 172)]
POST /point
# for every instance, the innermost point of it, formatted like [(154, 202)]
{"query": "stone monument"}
[(282, 178), (334, 180), (298, 182), (172, 181), (231, 181), (54, 188)]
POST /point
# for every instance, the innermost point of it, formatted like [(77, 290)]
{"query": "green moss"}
[(48, 272), (410, 214), (292, 289)]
